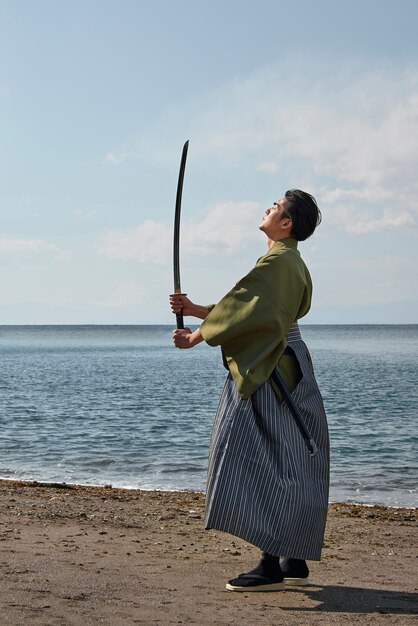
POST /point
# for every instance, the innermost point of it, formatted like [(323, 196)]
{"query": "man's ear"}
[(286, 223)]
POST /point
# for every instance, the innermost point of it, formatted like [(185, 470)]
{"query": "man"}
[(264, 484)]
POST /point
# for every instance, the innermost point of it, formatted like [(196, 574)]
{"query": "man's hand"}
[(180, 304), (184, 338)]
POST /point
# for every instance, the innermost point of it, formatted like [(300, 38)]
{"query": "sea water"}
[(120, 405)]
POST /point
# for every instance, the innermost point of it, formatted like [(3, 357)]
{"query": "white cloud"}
[(223, 228), (10, 246), (338, 194), (148, 242), (351, 138), (84, 216), (116, 158), (391, 220), (269, 166)]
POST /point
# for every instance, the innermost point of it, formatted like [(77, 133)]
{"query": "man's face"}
[(274, 217)]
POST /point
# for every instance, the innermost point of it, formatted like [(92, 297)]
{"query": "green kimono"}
[(251, 321)]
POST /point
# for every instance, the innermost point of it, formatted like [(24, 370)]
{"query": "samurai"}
[(265, 485)]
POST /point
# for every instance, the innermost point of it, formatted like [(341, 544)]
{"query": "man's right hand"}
[(181, 304)]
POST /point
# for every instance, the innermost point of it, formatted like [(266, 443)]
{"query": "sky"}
[(97, 98)]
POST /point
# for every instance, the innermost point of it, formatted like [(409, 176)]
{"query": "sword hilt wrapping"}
[(179, 319), (179, 315)]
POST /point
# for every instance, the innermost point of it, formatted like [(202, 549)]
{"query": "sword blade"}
[(176, 242)]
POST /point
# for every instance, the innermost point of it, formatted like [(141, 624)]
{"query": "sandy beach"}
[(75, 555)]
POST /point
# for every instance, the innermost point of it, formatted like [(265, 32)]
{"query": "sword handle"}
[(179, 318), (179, 315)]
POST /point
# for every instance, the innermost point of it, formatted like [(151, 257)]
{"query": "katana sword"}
[(300, 422), (176, 243)]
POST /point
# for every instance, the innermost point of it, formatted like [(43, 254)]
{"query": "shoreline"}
[(76, 555), (65, 485)]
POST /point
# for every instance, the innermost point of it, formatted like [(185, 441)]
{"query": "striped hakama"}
[(263, 485)]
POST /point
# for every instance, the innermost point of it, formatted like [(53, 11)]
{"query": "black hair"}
[(304, 213)]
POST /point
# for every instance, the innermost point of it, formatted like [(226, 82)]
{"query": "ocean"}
[(120, 405)]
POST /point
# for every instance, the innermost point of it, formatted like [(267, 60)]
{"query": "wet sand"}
[(89, 555)]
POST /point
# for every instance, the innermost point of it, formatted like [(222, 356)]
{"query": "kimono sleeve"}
[(252, 319)]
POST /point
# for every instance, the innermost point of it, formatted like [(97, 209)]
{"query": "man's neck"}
[(271, 242)]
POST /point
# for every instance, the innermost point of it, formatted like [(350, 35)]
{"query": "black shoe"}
[(253, 582), (267, 576), (295, 571)]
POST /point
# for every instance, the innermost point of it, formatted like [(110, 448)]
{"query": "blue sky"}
[(97, 99)]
